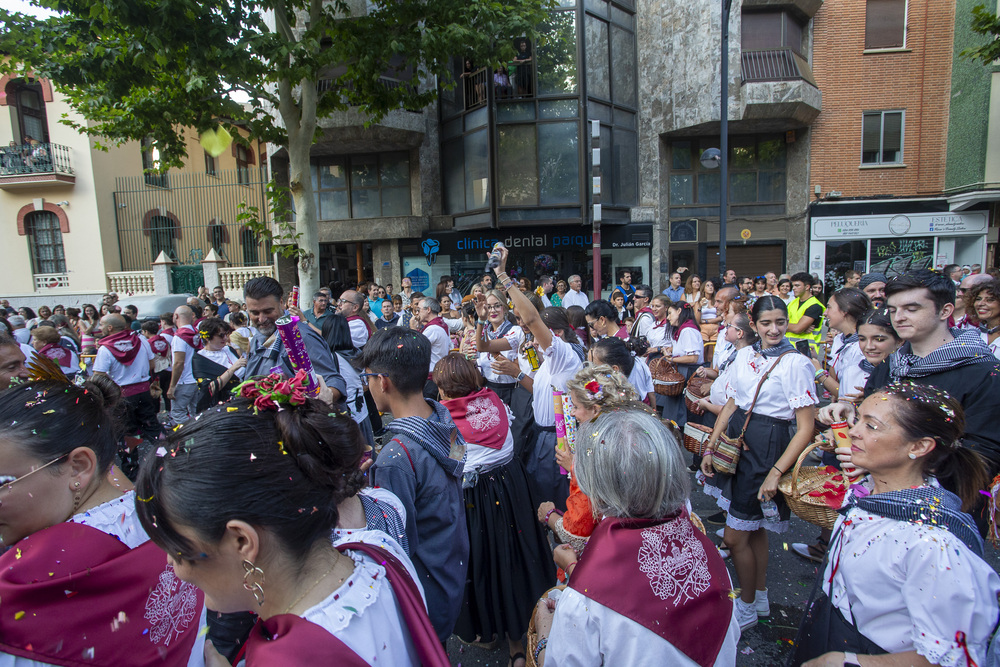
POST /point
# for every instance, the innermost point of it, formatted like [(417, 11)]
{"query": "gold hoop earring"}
[(255, 587)]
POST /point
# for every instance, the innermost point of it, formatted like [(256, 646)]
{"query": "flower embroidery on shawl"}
[(675, 561), (482, 414), (170, 608)]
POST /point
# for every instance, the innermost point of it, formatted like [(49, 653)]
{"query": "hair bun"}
[(105, 391)]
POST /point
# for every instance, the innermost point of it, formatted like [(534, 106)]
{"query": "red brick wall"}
[(917, 79)]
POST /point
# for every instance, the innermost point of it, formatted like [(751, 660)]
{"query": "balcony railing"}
[(35, 158), (775, 65), (47, 281), (131, 282)]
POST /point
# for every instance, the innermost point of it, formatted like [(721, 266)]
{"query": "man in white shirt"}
[(407, 289), (574, 297), (436, 330), (548, 285), (644, 317), (20, 332), (183, 391), (350, 305)]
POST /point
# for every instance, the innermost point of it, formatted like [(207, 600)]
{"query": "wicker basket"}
[(667, 380), (696, 520), (695, 437), (696, 389), (532, 640), (797, 484)]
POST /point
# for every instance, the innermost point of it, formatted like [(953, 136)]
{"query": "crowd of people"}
[(504, 465)]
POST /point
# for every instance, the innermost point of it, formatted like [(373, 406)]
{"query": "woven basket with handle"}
[(801, 481)]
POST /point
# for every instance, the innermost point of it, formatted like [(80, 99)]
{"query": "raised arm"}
[(530, 317)]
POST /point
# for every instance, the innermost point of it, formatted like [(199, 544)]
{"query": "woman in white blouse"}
[(847, 306), (774, 383), (692, 289), (686, 349), (906, 576), (984, 302)]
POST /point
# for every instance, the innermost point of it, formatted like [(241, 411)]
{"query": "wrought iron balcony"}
[(775, 65), (35, 164)]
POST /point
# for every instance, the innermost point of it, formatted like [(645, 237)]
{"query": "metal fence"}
[(191, 214), (35, 158), (775, 65)]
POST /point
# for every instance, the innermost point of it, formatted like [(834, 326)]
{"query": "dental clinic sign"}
[(966, 223)]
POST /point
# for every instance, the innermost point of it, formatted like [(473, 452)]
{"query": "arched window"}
[(45, 241), (251, 247), (161, 236), (29, 105), (217, 237)]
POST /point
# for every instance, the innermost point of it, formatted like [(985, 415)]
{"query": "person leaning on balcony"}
[(38, 157)]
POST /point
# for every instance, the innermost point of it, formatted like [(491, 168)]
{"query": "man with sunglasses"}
[(349, 305)]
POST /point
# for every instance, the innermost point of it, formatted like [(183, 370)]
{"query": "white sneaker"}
[(746, 614), (720, 533), (761, 604)]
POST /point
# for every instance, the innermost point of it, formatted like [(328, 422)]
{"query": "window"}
[(362, 186), (882, 137), (29, 105), (770, 30), (161, 237), (151, 161), (248, 240), (217, 238), (45, 241), (211, 164), (242, 164), (756, 177), (885, 24)]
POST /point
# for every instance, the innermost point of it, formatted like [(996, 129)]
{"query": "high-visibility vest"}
[(796, 309)]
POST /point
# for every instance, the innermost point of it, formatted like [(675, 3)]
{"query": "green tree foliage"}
[(985, 22), (150, 68)]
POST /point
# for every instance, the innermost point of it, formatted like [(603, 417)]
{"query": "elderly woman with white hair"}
[(649, 587)]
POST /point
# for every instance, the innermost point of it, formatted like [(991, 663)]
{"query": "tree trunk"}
[(306, 226)]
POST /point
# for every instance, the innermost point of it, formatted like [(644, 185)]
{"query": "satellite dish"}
[(711, 158)]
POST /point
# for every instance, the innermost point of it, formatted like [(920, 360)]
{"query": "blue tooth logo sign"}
[(430, 248)]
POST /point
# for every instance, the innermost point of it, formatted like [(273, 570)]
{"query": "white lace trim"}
[(361, 590), (749, 525), (803, 401), (939, 651), (713, 491)]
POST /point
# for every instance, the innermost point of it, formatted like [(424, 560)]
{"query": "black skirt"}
[(766, 438), (510, 563), (523, 427)]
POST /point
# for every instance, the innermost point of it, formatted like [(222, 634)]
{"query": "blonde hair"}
[(616, 391)]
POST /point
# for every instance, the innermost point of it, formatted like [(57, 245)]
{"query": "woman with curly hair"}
[(983, 303)]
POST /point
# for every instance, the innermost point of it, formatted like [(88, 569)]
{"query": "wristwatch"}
[(520, 376), (851, 659)]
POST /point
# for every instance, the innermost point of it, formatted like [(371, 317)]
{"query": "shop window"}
[(45, 241), (757, 177), (882, 137), (770, 30), (362, 186), (150, 162), (885, 24)]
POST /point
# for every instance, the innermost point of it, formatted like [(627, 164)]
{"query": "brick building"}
[(878, 153)]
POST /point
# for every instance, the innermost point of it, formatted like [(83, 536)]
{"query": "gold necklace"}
[(314, 584)]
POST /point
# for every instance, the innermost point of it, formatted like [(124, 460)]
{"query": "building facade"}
[(77, 221)]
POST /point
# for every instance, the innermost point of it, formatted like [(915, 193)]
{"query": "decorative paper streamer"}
[(557, 402), (291, 338)]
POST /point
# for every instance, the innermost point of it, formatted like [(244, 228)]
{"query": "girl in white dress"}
[(845, 309), (906, 574)]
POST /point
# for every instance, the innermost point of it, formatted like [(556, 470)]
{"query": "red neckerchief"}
[(690, 324), (190, 336), (481, 418), (288, 640), (367, 322), (660, 323), (167, 331), (111, 605), (159, 345), (123, 346), (622, 333), (58, 354), (437, 321), (664, 575)]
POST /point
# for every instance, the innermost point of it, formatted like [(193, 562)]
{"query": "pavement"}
[(790, 580)]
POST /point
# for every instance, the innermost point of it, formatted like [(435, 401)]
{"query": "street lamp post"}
[(714, 157)]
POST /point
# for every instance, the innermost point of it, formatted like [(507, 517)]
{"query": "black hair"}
[(613, 352), (196, 310), (555, 318), (262, 287), (601, 308), (879, 317), (804, 278), (940, 286), (150, 327), (131, 307), (853, 302), (30, 313), (213, 326), (577, 317), (48, 419), (741, 321), (284, 471), (238, 319), (765, 303), (686, 314), (924, 411), (337, 332), (402, 355), (6, 338), (646, 290)]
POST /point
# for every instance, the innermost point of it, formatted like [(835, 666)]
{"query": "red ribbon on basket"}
[(834, 490)]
